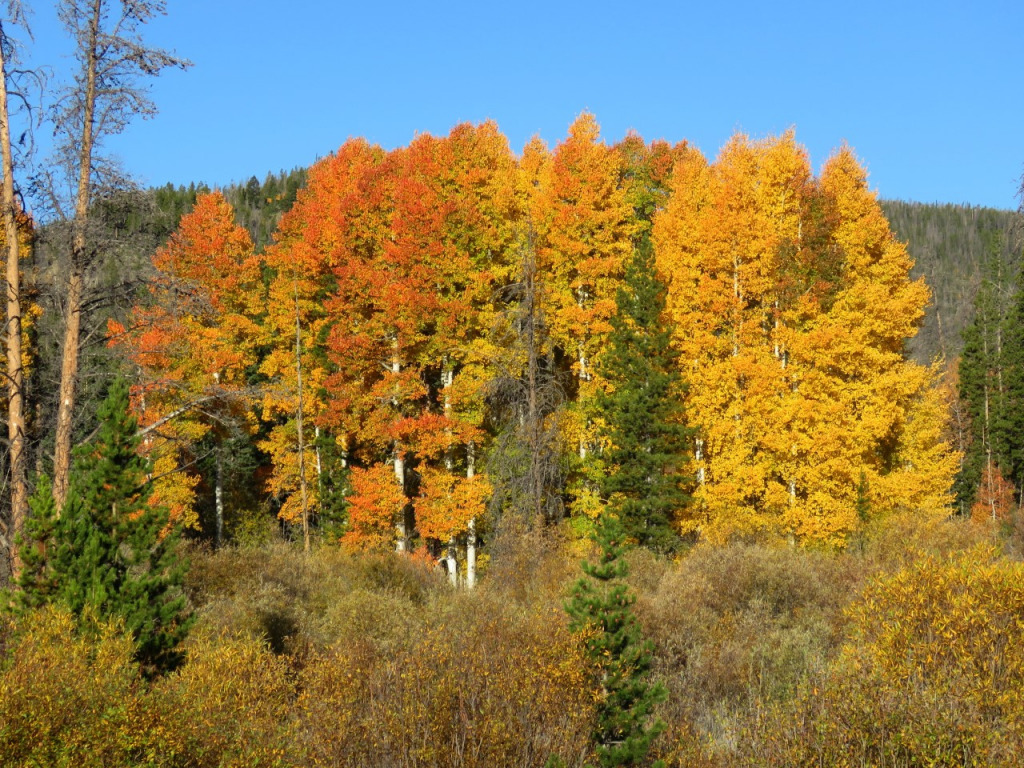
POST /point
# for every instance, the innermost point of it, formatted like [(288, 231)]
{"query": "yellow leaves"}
[(791, 301), (173, 489), (448, 502), (945, 623), (584, 235)]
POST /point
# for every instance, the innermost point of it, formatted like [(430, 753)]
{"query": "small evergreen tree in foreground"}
[(109, 552), (602, 610), (643, 412)]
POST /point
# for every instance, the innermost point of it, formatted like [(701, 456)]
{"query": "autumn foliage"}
[(788, 303), (791, 299)]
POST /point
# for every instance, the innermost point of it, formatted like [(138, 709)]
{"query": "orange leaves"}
[(996, 498), (375, 504), (789, 297), (194, 342), (412, 306)]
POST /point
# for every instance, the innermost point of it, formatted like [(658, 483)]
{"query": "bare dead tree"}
[(12, 80), (106, 94), (527, 396)]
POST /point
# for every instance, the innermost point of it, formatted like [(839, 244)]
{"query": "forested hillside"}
[(459, 454), (949, 245), (391, 401)]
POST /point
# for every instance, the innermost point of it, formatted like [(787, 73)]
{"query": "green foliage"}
[(1012, 423), (949, 245), (991, 381), (110, 553), (601, 610), (642, 412), (259, 207), (37, 584)]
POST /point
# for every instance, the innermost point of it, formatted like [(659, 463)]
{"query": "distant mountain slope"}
[(948, 244)]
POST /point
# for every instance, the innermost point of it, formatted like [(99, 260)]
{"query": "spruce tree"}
[(992, 351), (602, 610), (36, 581), (1013, 364), (111, 552), (645, 465)]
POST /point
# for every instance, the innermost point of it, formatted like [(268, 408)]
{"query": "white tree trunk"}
[(401, 529), (471, 528), (698, 455), (452, 563), (401, 532), (218, 503)]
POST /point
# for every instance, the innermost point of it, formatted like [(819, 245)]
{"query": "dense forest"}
[(950, 245), (599, 453)]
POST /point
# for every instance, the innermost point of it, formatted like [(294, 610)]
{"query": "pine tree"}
[(110, 553), (601, 609), (642, 411)]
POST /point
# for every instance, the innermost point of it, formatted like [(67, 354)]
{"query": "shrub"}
[(67, 691), (737, 625), (932, 674), (227, 707), (485, 685)]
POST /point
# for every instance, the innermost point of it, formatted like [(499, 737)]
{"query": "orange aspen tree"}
[(410, 342), (646, 175), (474, 179), (193, 344), (383, 308), (337, 220)]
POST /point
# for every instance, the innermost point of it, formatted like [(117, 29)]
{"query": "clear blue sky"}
[(930, 95)]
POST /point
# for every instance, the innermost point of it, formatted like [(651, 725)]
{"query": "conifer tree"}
[(601, 608), (642, 411), (1012, 421), (110, 553), (985, 378)]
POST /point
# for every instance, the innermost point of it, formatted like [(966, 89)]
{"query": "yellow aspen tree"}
[(895, 425), (718, 245), (583, 224), (792, 301)]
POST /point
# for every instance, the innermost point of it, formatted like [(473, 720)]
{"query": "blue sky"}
[(928, 94)]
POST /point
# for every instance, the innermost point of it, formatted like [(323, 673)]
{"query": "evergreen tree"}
[(1013, 363), (642, 411), (601, 609), (36, 580), (110, 553), (992, 349)]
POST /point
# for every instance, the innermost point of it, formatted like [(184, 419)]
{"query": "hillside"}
[(948, 244)]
